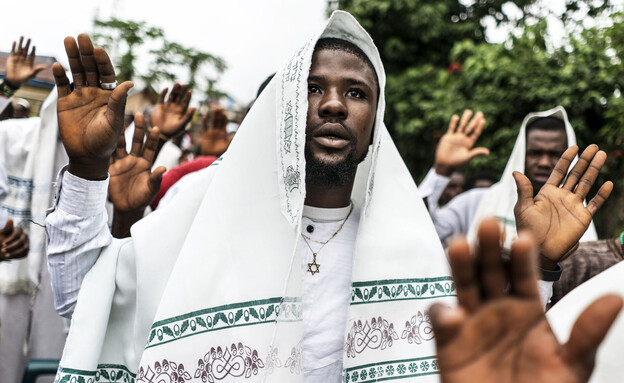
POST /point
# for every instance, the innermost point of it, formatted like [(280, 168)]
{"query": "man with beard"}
[(295, 257)]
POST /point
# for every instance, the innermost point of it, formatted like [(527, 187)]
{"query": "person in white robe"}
[(252, 281)]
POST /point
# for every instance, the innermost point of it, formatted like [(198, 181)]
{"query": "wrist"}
[(12, 83), (7, 89), (551, 275), (548, 264), (89, 170), (443, 170)]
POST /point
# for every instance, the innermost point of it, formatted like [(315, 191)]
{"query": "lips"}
[(332, 136)]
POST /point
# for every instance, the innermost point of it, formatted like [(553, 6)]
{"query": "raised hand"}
[(215, 140), (494, 336), (20, 64), (13, 242), (90, 118), (455, 148), (557, 217), (171, 116), (132, 184)]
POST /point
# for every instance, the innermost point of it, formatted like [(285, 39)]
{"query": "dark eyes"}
[(355, 93)]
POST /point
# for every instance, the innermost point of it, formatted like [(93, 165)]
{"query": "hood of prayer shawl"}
[(501, 198), (231, 306), (28, 152)]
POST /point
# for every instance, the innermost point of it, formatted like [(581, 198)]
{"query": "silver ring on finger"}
[(108, 85)]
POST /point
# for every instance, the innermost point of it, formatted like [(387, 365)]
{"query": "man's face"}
[(543, 149), (455, 186), (342, 103)]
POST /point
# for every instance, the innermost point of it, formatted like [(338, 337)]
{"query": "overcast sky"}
[(253, 36)]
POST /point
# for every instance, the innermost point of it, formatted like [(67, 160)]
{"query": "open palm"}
[(504, 337), (172, 115), (132, 184), (20, 64), (557, 217), (215, 139), (90, 118), (455, 148)]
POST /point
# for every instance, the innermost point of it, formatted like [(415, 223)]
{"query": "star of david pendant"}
[(314, 267)]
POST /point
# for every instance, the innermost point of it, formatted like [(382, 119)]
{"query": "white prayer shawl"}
[(609, 364), (27, 150), (209, 288), (500, 199)]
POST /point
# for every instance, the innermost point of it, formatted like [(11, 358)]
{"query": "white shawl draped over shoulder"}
[(500, 199), (209, 288)]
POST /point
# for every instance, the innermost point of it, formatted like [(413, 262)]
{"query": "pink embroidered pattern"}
[(418, 329), (378, 334)]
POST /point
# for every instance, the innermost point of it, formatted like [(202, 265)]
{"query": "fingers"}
[(117, 103), (88, 60), (20, 49), (453, 124), (139, 134), (156, 178), (152, 143), (446, 322), (523, 269), (599, 199), (62, 82), (491, 268), (561, 168), (464, 120), (188, 115), (462, 268), (120, 152), (579, 168), (173, 96), (163, 94), (590, 329), (15, 241), (187, 99), (205, 122), (13, 50), (525, 191), (590, 175), (105, 68), (474, 124), (26, 47), (75, 64)]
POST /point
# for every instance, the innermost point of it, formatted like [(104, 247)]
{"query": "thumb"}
[(590, 329), (38, 69), (525, 190), (155, 178), (479, 152), (8, 228)]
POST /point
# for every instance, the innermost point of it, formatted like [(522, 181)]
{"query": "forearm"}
[(77, 232), (432, 187)]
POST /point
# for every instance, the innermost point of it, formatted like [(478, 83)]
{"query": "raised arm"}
[(90, 120), (495, 336)]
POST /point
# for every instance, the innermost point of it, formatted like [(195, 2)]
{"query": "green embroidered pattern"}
[(401, 289), (222, 317), (105, 373), (391, 370)]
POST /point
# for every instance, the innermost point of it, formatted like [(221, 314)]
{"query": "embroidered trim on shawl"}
[(391, 370), (227, 316), (392, 290), (105, 373)]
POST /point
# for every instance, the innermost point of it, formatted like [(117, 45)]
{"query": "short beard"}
[(319, 173)]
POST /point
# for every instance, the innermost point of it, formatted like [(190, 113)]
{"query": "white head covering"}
[(500, 199), (27, 151), (231, 307)]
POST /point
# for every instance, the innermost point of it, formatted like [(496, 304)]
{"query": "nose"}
[(333, 106), (545, 161)]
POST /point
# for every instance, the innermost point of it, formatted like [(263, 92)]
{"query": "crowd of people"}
[(298, 249)]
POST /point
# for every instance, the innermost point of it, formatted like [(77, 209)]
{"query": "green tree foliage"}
[(125, 40), (438, 63)]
